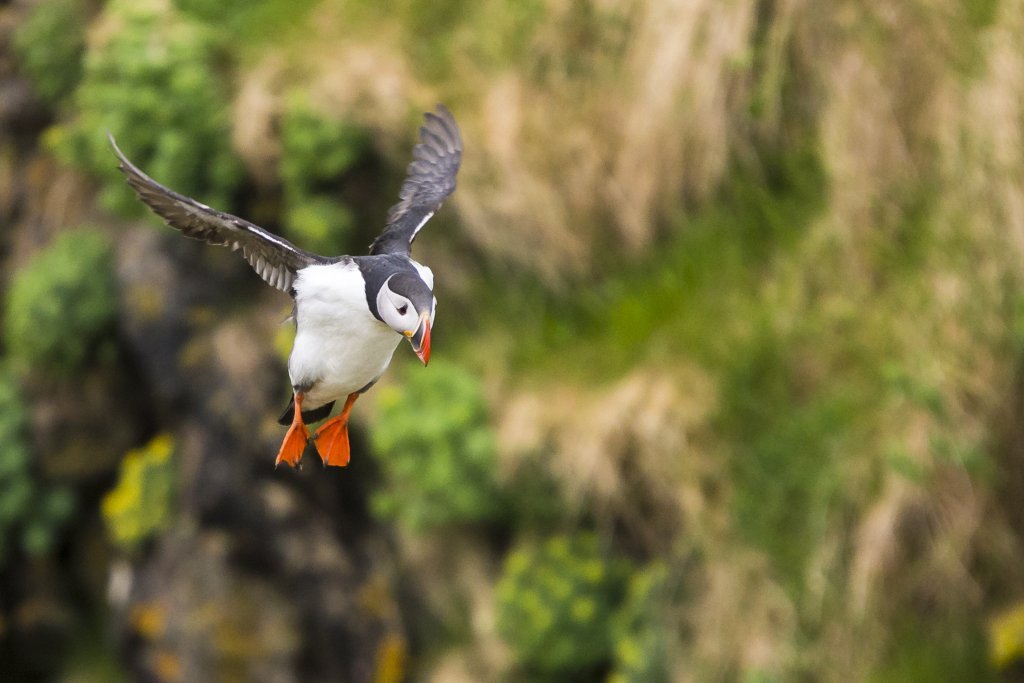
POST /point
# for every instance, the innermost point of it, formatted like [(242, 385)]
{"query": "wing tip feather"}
[(196, 220)]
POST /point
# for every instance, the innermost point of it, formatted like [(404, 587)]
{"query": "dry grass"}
[(569, 164), (634, 452), (683, 67), (742, 621)]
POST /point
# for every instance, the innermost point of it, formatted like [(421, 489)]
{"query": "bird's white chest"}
[(339, 346)]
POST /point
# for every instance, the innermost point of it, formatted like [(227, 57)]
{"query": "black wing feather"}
[(431, 178), (274, 258)]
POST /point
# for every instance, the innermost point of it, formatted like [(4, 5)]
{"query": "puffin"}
[(350, 312)]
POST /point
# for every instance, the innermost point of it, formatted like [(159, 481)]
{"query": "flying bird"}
[(350, 311)]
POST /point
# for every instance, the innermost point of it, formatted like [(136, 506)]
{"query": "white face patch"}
[(396, 310)]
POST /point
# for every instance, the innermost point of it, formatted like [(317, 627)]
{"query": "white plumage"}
[(340, 347)]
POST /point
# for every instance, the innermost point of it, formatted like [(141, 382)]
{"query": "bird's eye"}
[(402, 309)]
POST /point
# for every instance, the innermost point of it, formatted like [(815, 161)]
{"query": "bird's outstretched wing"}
[(274, 258), (431, 178)]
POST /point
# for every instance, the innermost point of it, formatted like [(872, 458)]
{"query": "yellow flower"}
[(1007, 637)]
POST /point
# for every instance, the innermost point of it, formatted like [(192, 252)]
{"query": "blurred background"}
[(727, 378)]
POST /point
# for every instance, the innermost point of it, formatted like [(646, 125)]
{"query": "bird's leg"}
[(332, 437), (295, 439)]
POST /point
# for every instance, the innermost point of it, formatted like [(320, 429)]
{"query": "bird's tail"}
[(308, 416)]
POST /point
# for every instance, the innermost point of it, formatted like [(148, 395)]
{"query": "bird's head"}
[(406, 304)]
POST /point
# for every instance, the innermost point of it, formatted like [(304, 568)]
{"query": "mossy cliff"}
[(727, 364)]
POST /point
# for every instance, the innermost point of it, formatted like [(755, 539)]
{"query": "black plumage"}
[(431, 178), (274, 258)]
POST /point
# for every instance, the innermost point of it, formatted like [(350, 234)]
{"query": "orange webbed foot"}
[(295, 439), (293, 445), (332, 442), (332, 437)]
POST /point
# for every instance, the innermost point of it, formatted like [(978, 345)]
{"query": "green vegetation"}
[(243, 27), (438, 452), (214, 10), (933, 651), (556, 601), (61, 306), (156, 83), (32, 514), (317, 152), (980, 13), (789, 441), (319, 223), (50, 44), (436, 34), (640, 632), (141, 504)]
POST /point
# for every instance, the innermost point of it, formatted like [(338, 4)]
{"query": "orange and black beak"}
[(420, 338)]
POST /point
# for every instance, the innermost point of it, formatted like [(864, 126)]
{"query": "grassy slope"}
[(853, 378)]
